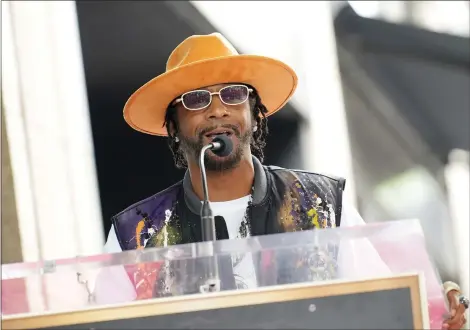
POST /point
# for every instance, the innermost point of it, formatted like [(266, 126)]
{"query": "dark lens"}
[(234, 94), (196, 100)]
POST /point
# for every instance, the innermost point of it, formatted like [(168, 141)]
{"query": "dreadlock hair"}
[(258, 141)]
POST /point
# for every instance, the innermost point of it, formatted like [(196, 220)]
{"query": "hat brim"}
[(274, 81)]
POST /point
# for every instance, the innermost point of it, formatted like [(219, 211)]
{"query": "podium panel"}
[(88, 290), (389, 303)]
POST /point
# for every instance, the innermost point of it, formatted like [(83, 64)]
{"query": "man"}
[(208, 90)]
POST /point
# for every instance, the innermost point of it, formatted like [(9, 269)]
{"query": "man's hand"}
[(457, 312)]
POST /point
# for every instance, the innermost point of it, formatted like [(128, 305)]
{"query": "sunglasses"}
[(200, 99)]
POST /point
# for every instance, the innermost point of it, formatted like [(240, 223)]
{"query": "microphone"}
[(222, 146)]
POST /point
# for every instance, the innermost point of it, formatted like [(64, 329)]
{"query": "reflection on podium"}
[(374, 276)]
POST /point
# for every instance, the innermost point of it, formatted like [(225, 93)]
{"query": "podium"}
[(377, 276)]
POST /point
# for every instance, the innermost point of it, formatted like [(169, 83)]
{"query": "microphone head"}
[(226, 145)]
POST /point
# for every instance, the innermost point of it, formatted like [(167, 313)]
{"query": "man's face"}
[(198, 128)]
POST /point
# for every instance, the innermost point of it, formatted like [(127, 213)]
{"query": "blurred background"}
[(383, 100)]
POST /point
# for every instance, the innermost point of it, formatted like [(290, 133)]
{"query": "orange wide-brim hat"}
[(201, 61)]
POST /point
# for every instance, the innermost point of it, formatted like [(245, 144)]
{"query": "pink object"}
[(411, 255), (14, 290)]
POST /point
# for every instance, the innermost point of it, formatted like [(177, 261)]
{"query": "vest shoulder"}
[(336, 180), (162, 195), (149, 213)]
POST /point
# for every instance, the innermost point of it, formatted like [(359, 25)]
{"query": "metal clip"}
[(91, 296), (49, 266), (211, 285)]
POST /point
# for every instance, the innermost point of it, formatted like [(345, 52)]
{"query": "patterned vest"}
[(284, 200)]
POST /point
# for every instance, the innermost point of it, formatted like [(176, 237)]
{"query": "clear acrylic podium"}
[(374, 276)]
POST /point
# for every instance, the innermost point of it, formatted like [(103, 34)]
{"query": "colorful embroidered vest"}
[(283, 201)]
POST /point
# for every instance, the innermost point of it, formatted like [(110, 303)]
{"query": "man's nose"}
[(217, 109)]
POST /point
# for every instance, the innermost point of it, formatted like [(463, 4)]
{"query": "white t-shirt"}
[(358, 258), (233, 213)]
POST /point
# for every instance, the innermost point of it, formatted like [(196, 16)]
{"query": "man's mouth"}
[(222, 131)]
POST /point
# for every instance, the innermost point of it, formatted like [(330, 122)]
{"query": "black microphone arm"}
[(207, 218), (222, 146)]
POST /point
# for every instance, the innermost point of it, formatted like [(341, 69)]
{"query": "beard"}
[(192, 147)]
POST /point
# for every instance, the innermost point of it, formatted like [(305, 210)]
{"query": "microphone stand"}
[(207, 218), (212, 283)]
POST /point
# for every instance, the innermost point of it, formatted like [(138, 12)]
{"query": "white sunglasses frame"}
[(178, 100)]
